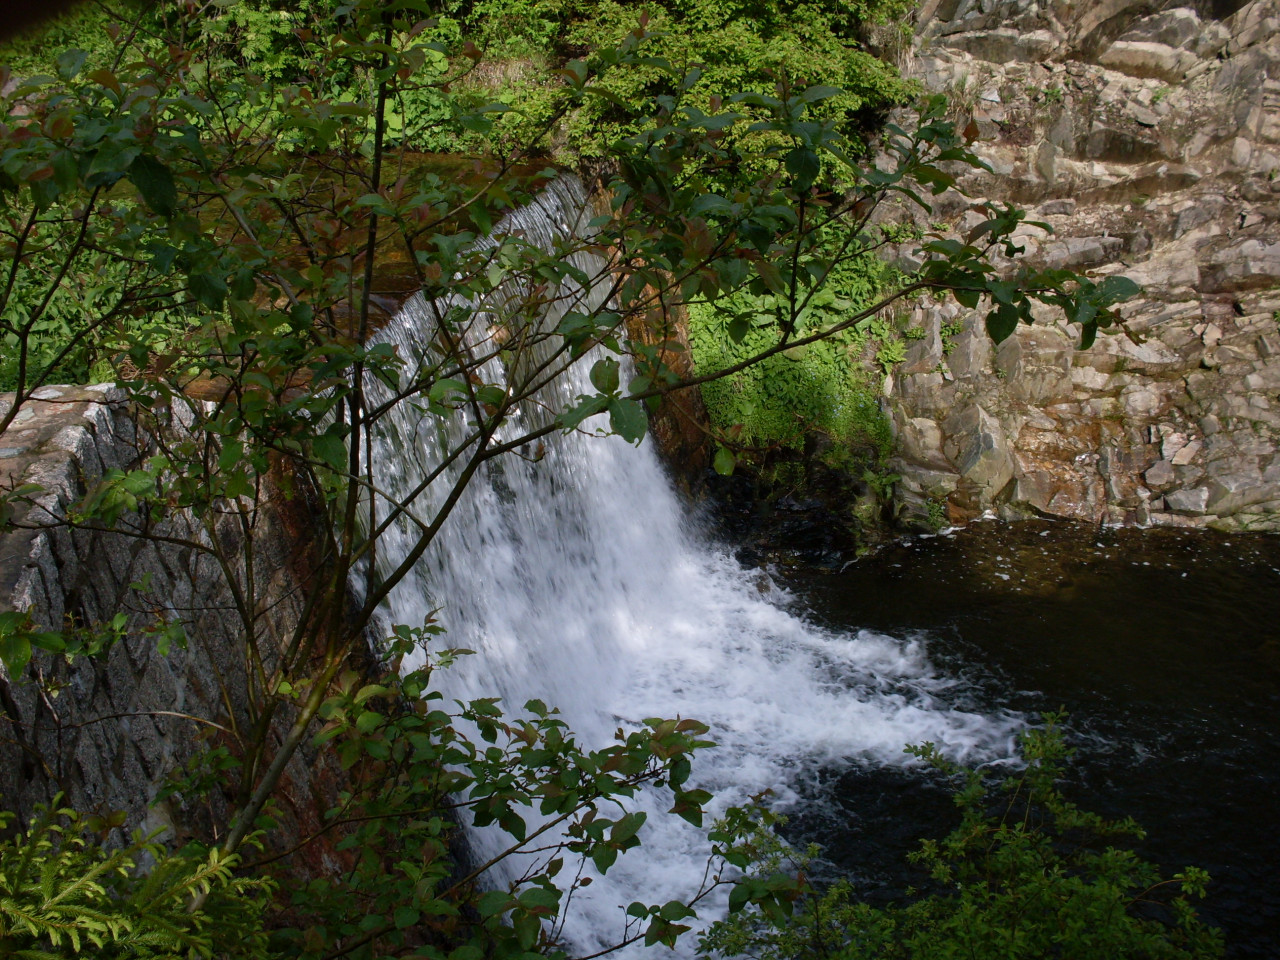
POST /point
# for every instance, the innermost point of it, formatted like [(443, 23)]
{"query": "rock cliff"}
[(1148, 137)]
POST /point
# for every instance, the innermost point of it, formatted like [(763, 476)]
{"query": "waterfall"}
[(578, 578)]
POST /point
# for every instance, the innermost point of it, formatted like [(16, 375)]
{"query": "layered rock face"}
[(1150, 140)]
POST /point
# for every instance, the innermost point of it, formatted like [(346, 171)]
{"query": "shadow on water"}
[(1164, 647)]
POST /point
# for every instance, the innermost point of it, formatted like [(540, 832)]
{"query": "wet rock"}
[(1228, 493), (920, 441), (931, 484)]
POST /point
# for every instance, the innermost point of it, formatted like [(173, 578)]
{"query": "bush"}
[(733, 45), (62, 893), (825, 387), (1026, 874)]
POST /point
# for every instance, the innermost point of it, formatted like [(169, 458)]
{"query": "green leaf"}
[(528, 928), (803, 164), (627, 827), (155, 184), (70, 63), (604, 375), (15, 653), (628, 419), (772, 277), (675, 910), (820, 92), (1118, 289), (741, 895), (231, 455), (492, 902), (604, 857), (724, 461), (66, 171), (540, 897), (589, 407), (331, 448), (710, 203), (405, 916), (208, 289), (1002, 322)]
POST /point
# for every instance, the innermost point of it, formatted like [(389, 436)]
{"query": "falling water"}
[(578, 578)]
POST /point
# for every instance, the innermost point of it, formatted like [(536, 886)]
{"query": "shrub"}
[(63, 893), (825, 387), (1026, 874)]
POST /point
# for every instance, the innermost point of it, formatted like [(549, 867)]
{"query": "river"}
[(1162, 645)]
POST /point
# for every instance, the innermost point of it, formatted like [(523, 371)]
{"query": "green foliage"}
[(964, 267), (1026, 874), (937, 513), (948, 332), (821, 388), (729, 46), (83, 27), (815, 388), (62, 893)]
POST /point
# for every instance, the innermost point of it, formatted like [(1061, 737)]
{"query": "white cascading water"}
[(580, 580)]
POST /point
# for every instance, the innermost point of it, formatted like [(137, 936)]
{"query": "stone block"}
[(1117, 143), (920, 442), (1248, 264), (1194, 501), (1264, 380), (924, 355), (982, 455), (1143, 58), (971, 351), (1175, 28), (1141, 400), (1160, 475), (1187, 453), (1228, 493), (928, 484)]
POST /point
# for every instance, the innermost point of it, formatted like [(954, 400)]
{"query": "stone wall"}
[(1149, 139), (108, 731)]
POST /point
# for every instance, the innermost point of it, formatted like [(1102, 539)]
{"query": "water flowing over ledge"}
[(578, 578)]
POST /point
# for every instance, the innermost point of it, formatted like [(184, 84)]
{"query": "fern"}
[(63, 894)]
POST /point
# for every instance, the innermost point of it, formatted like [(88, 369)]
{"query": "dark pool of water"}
[(1164, 647)]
